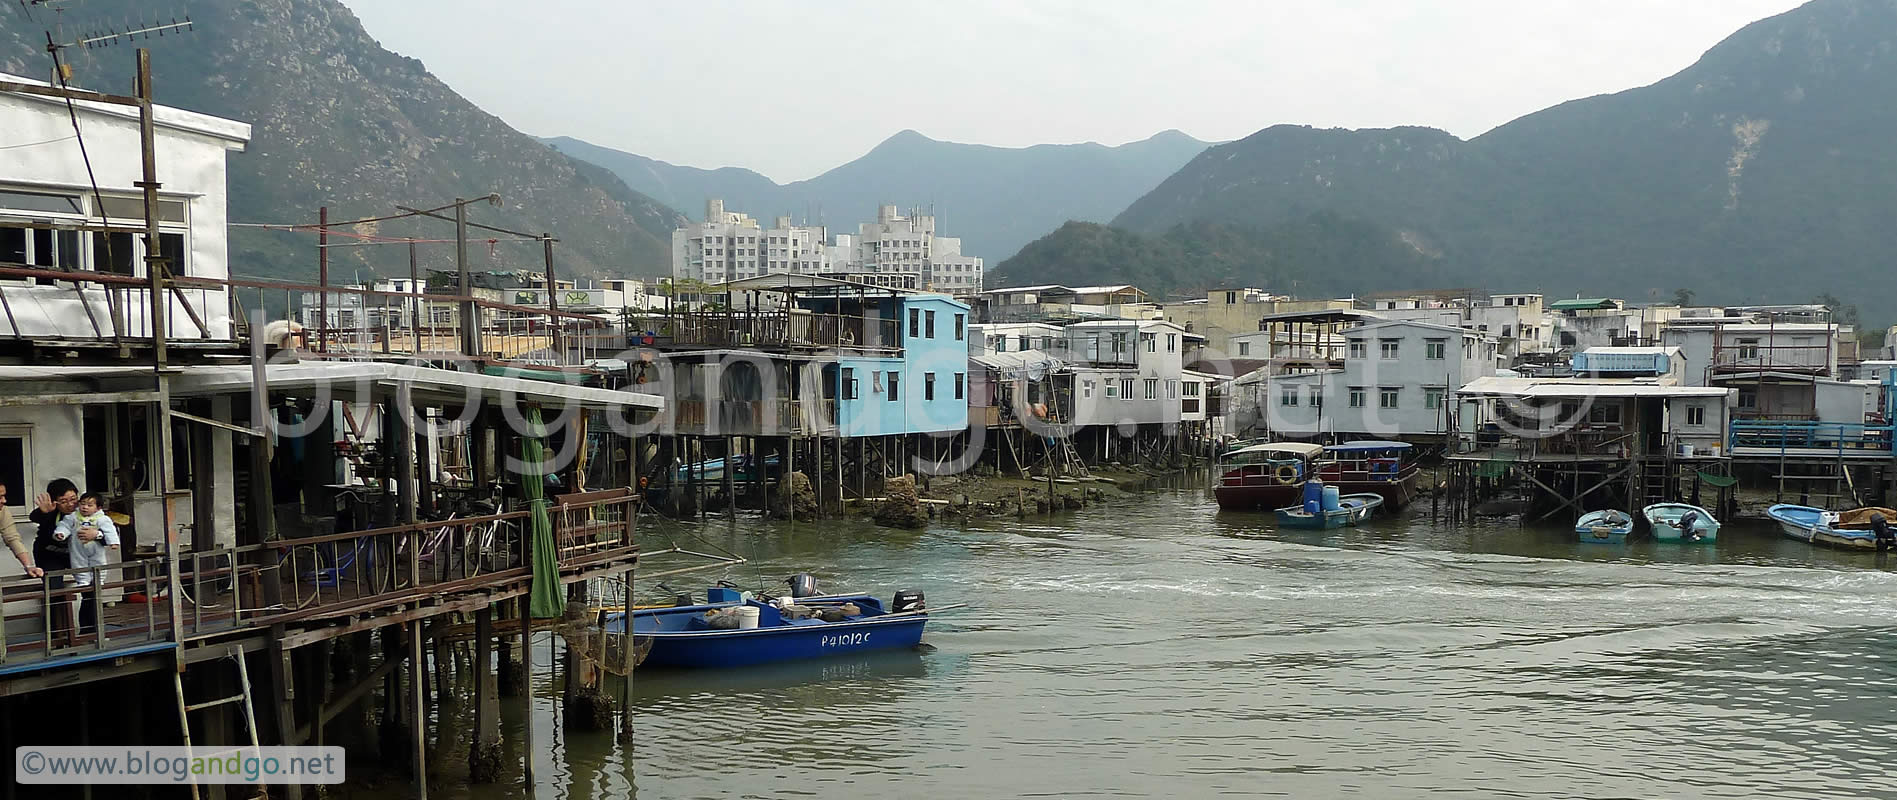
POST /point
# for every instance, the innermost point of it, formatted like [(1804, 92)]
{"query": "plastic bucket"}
[(1333, 499), (747, 617)]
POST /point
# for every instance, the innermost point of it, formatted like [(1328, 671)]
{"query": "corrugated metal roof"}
[(1580, 303), (1574, 387)]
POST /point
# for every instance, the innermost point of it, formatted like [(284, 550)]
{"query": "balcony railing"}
[(737, 329), (695, 415), (232, 589), (1840, 438)]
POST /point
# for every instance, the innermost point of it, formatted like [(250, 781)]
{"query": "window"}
[(1119, 342), (1152, 388), (1604, 414), (1126, 388), (928, 324), (961, 322), (1150, 341), (1356, 398), (1231, 297), (1244, 348), (1696, 415), (1086, 390), (1172, 343), (1435, 349), (1026, 342), (16, 465), (112, 252), (1288, 396), (961, 380), (1358, 348), (915, 322), (849, 383), (1113, 389), (895, 386), (1387, 348), (1387, 397), (1433, 397), (1192, 388), (1748, 348), (999, 343), (1172, 390), (928, 386)]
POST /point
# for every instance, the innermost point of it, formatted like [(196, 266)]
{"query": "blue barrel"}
[(1313, 496), (1333, 499)]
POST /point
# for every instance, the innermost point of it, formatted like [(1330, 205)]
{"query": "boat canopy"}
[(1290, 449), (1368, 445)]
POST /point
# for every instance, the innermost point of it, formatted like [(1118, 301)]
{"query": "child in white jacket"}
[(90, 516)]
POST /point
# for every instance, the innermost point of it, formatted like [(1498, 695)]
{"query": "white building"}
[(1126, 371), (898, 243), (730, 246), (1516, 321), (1397, 381), (45, 196)]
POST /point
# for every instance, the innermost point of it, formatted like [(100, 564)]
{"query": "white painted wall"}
[(191, 150)]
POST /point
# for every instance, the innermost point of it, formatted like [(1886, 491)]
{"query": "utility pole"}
[(470, 313), (322, 279), (553, 300)]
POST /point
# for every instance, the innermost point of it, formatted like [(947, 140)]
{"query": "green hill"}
[(1765, 171), (337, 120)]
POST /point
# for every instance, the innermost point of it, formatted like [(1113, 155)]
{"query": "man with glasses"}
[(51, 555)]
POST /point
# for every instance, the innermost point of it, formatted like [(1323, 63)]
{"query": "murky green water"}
[(1158, 647)]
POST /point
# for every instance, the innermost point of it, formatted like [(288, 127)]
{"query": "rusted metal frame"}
[(73, 94)]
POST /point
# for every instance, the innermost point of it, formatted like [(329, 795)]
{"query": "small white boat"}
[(1680, 522)]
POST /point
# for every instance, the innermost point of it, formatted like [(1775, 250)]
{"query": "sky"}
[(793, 89)]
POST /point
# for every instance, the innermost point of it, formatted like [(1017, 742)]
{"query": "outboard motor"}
[(906, 600), (802, 584)]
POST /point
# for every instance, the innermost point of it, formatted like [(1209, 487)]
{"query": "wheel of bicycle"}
[(382, 565), (501, 545), (303, 562)]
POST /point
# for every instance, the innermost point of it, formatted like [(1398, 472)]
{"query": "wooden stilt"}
[(527, 695), (418, 725), (484, 756)]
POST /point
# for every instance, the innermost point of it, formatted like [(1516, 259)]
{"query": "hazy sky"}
[(792, 89)]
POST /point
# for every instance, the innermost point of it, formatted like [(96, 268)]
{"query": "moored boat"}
[(1385, 468), (1264, 476), (1351, 510), (1607, 526), (1680, 522), (731, 630), (1848, 531)]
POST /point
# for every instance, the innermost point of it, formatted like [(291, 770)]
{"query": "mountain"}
[(1763, 172), (995, 198), (1294, 254), (337, 120)]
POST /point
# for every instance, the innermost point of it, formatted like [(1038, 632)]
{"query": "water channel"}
[(1156, 647)]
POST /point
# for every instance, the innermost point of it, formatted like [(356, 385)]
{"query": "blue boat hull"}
[(1598, 527), (1809, 524), (795, 642)]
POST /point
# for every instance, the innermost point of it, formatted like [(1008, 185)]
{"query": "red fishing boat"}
[(1265, 477)]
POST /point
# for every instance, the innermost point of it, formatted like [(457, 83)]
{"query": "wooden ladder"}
[(235, 654)]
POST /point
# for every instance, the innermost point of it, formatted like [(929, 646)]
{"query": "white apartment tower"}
[(897, 243), (730, 246)]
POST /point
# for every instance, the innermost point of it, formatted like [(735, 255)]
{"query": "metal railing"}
[(55, 632), (1842, 438), (741, 329)]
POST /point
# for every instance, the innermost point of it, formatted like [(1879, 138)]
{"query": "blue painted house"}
[(921, 387)]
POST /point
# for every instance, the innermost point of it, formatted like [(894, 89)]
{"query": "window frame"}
[(1389, 397)]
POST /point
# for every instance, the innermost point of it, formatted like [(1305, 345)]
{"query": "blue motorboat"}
[(1848, 531), (731, 630), (1351, 510), (1607, 526)]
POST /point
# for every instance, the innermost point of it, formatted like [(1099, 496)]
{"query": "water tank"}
[(1333, 499), (1313, 497)]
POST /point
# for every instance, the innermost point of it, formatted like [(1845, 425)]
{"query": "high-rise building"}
[(730, 246), (898, 243)]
